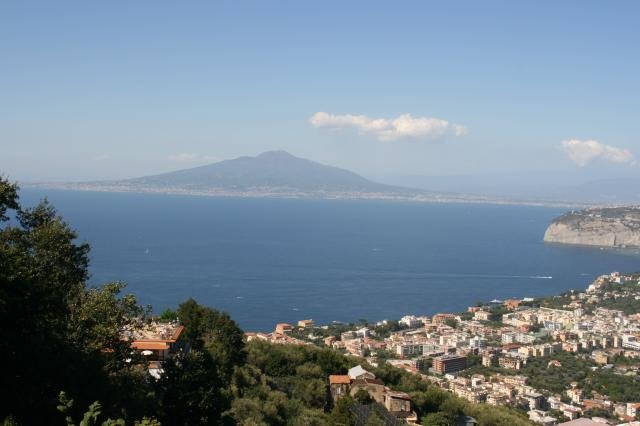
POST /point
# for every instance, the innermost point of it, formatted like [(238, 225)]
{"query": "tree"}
[(42, 271), (168, 315), (451, 322), (363, 397), (374, 419), (47, 312), (340, 414), (189, 391), (312, 392), (214, 331), (8, 198), (436, 419)]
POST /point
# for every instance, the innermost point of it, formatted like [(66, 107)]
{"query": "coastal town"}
[(571, 359)]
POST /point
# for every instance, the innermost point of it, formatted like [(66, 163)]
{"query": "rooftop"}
[(150, 345), (339, 379), (163, 332)]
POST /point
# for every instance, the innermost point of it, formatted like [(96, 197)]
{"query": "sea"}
[(266, 261)]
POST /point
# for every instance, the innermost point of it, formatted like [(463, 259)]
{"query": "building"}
[(397, 401), (442, 318), (283, 328), (411, 321), (600, 357), (449, 363), (358, 372), (307, 323), (534, 400), (508, 338), (477, 342), (329, 340), (157, 341), (511, 363), (488, 360), (633, 409), (512, 304), (339, 386), (482, 316), (541, 417), (405, 350), (580, 422)]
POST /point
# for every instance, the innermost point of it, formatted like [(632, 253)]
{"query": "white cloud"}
[(584, 152), (186, 157), (404, 126)]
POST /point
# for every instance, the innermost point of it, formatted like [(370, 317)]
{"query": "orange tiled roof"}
[(150, 345), (339, 379), (177, 333)]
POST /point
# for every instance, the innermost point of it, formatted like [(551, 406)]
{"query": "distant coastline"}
[(275, 193), (278, 174)]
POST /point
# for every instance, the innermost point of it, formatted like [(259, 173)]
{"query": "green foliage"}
[(436, 419), (46, 310), (287, 384), (168, 315), (382, 355), (439, 407), (189, 391), (147, 421), (214, 331), (451, 322), (282, 360), (93, 413), (374, 419), (363, 397), (385, 330), (628, 305), (8, 198), (341, 414), (584, 371)]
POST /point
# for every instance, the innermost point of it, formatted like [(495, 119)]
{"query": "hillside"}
[(607, 227)]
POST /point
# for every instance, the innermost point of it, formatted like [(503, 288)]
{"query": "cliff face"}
[(607, 227)]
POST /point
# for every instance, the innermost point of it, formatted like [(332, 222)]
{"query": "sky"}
[(103, 90)]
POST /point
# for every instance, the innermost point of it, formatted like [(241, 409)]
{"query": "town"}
[(571, 359)]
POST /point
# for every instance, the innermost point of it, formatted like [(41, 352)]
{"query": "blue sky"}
[(93, 90)]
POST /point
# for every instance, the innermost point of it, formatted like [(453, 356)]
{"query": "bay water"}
[(280, 260)]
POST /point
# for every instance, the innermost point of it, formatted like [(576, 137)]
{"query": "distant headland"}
[(605, 226)]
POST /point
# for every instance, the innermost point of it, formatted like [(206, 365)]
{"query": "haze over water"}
[(276, 260)]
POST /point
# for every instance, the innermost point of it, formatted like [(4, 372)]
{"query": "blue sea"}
[(280, 260)]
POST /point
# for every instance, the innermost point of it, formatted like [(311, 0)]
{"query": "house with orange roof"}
[(157, 341), (339, 385)]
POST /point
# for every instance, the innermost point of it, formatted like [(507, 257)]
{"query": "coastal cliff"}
[(606, 227)]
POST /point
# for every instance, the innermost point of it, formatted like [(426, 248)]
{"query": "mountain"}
[(279, 174), (275, 171)]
